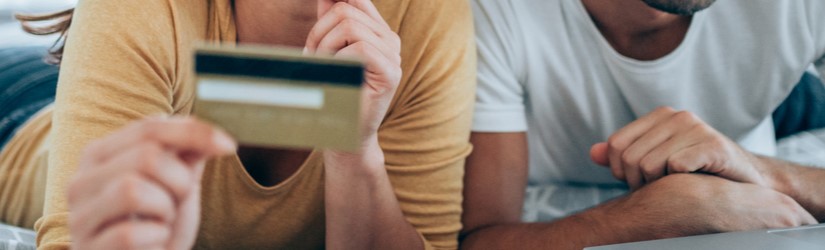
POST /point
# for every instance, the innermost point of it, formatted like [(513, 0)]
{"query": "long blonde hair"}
[(57, 23)]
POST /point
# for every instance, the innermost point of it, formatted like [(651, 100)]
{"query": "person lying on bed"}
[(631, 120), (127, 169)]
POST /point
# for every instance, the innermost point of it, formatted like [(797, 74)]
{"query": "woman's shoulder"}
[(424, 12), (141, 17), (438, 48)]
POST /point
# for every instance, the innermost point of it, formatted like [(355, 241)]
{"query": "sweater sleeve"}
[(118, 66), (425, 136)]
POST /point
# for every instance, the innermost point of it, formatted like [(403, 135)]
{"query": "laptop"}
[(799, 238)]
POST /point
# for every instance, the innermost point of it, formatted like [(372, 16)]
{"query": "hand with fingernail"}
[(355, 29), (362, 211), (139, 188), (667, 141)]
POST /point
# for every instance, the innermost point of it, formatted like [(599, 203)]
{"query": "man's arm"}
[(494, 185), (676, 205), (669, 141), (495, 179), (803, 184)]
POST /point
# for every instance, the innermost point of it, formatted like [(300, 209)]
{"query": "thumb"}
[(598, 153)]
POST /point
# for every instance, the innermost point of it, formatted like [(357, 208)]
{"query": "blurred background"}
[(10, 32)]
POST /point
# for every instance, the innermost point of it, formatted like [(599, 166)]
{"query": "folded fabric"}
[(15, 238)]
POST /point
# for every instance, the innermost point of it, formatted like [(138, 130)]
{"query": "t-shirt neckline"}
[(640, 66)]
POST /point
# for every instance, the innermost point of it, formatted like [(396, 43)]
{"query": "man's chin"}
[(680, 7)]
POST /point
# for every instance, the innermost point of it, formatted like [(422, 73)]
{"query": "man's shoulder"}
[(767, 9)]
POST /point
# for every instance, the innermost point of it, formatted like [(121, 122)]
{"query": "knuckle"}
[(648, 169), (676, 165), (197, 127), (204, 134), (349, 25), (189, 121), (647, 164), (312, 36), (704, 129), (664, 109), (628, 159), (349, 28), (718, 144), (149, 129), (147, 157), (685, 117), (616, 143), (129, 191), (361, 48), (342, 9)]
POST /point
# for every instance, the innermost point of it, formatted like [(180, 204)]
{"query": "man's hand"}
[(667, 141), (691, 204), (139, 188)]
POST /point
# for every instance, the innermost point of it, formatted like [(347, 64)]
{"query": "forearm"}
[(568, 233), (593, 227), (803, 184), (362, 211)]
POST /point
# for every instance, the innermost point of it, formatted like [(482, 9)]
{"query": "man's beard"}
[(680, 7)]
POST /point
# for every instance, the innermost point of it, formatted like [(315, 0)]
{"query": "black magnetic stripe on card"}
[(272, 68)]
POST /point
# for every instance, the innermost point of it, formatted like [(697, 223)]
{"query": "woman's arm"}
[(361, 210), (405, 183), (119, 66)]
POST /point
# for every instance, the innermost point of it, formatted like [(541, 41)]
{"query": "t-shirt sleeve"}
[(500, 98), (425, 135), (118, 66), (816, 23)]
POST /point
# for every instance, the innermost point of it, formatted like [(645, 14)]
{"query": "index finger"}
[(629, 133), (368, 7), (176, 133), (622, 139)]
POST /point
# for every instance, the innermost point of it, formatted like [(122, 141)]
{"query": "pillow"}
[(27, 84)]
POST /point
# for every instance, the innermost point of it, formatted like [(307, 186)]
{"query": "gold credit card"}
[(275, 97)]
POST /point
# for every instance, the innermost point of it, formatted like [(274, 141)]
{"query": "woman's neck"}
[(281, 22)]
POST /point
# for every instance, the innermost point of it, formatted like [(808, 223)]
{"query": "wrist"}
[(367, 160), (774, 174)]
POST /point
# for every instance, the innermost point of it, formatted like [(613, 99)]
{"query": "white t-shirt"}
[(546, 69)]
